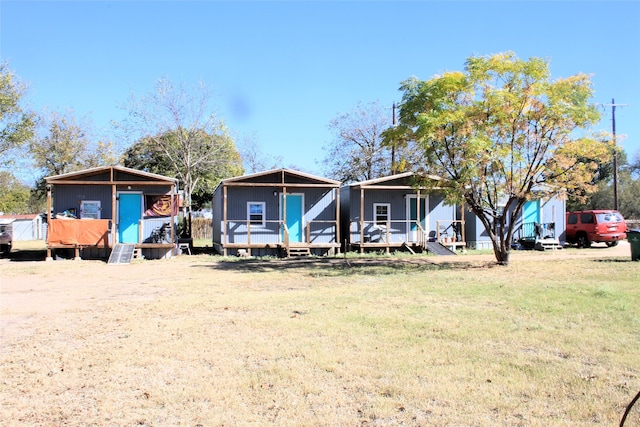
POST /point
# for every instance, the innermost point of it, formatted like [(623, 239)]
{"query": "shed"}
[(541, 225), (396, 212), (94, 209), (26, 227), (280, 212)]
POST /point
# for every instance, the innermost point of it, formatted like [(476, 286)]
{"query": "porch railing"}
[(277, 232), (534, 230), (390, 232)]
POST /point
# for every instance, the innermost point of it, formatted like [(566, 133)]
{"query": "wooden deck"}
[(51, 247), (280, 248)]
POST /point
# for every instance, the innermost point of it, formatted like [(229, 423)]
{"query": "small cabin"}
[(397, 213), (279, 212), (94, 209), (541, 225)]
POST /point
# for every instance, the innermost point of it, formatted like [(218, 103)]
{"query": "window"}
[(587, 218), (609, 217), (381, 213), (90, 209), (573, 219), (256, 213)]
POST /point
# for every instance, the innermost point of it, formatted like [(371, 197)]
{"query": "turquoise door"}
[(129, 214), (530, 217), (413, 216), (293, 217), (531, 212)]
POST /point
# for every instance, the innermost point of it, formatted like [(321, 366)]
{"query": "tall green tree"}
[(503, 132), (178, 121), (16, 124), (63, 146), (14, 195), (148, 155)]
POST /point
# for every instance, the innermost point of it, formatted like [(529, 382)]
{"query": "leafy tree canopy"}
[(14, 195), (16, 125), (195, 146), (63, 146), (148, 155), (503, 132)]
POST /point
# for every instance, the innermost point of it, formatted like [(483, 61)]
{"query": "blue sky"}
[(280, 71)]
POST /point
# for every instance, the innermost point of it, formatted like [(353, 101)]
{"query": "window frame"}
[(384, 223), (255, 223), (93, 215)]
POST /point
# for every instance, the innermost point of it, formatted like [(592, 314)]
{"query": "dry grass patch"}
[(551, 340)]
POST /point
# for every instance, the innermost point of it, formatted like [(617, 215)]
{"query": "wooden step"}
[(298, 252)]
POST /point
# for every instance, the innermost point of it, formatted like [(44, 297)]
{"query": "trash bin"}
[(634, 241)]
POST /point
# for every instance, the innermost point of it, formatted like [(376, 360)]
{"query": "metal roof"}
[(102, 169)]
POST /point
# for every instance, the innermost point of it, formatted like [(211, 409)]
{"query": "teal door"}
[(293, 217), (129, 214), (531, 212), (530, 217), (413, 217)]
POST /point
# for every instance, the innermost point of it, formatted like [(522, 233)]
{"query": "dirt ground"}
[(58, 301), (31, 291)]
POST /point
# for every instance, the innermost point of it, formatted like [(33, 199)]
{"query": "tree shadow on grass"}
[(615, 260), (26, 255), (335, 267)]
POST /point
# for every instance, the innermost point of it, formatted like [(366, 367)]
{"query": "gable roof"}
[(280, 177), (112, 174), (401, 181)]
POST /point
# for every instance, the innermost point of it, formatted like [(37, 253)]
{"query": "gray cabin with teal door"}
[(541, 225), (396, 213), (280, 212), (94, 209)]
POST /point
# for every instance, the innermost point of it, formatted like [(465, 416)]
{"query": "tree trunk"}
[(502, 255), (500, 240)]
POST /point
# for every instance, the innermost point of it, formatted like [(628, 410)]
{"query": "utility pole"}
[(613, 106), (393, 143)]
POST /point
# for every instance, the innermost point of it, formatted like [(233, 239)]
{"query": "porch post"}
[(418, 209), (337, 199), (361, 220), (173, 218), (224, 220), (48, 221), (284, 212), (464, 237), (114, 213)]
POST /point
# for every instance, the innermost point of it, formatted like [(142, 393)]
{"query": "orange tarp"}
[(81, 232)]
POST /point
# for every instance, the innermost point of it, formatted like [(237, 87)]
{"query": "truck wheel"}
[(582, 241)]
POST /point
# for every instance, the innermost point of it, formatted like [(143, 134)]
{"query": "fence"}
[(202, 228)]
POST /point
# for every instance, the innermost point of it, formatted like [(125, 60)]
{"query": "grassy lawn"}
[(552, 340)]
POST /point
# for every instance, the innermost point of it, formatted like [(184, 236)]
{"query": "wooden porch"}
[(393, 236), (283, 246), (95, 235)]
